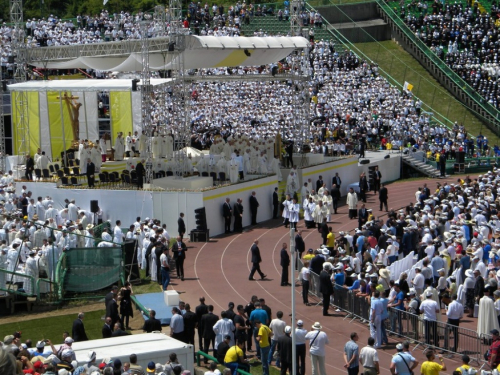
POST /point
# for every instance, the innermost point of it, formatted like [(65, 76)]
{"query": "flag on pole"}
[(104, 2), (407, 86)]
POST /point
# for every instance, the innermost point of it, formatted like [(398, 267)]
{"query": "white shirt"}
[(278, 328), (429, 307), (304, 273), (455, 310), (318, 346), (118, 234), (368, 356), (419, 281), (300, 336)]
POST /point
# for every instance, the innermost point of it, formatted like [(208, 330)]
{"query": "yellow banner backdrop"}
[(32, 123), (61, 134), (121, 113)]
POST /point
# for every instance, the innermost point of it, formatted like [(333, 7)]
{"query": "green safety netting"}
[(90, 269)]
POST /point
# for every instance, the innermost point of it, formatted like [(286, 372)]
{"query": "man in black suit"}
[(289, 151), (319, 183), (363, 186), (238, 216), (78, 331), (383, 195), (118, 331), (181, 226), (256, 259), (200, 310), (300, 246), (109, 297), (113, 311), (254, 204), (336, 180), (227, 213), (190, 322), (179, 252), (362, 216), (326, 286), (30, 165), (377, 177), (90, 173), (276, 203), (106, 328), (285, 264), (335, 193), (206, 326), (152, 324), (140, 171)]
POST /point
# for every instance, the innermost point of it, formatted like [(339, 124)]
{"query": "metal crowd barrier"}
[(436, 335)]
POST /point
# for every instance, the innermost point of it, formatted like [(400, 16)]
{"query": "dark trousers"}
[(256, 268), (353, 213), (206, 346), (286, 366), (431, 332), (179, 336), (90, 180), (335, 205), (284, 275), (305, 291), (140, 182), (200, 340), (179, 266), (289, 160), (454, 323), (275, 211), (353, 370), (189, 336), (227, 224), (376, 185), (238, 225), (326, 303), (254, 217), (383, 202), (301, 359), (29, 174), (362, 195)]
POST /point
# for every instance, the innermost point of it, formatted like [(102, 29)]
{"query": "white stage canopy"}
[(82, 85), (201, 52)]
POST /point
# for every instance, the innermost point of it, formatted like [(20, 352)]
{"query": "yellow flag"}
[(408, 86)]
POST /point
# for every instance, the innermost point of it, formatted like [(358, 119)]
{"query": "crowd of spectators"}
[(464, 37)]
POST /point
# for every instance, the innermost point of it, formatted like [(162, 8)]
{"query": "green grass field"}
[(52, 328), (403, 67)]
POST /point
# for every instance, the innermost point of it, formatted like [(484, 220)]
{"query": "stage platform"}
[(188, 183), (155, 301)]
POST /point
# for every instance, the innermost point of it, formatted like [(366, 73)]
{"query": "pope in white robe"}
[(95, 156), (487, 316), (85, 154), (119, 147), (222, 166)]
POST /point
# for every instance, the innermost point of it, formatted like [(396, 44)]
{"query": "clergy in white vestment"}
[(222, 166), (292, 183), (119, 147), (309, 207), (294, 210), (156, 147), (320, 212), (304, 192), (286, 212), (118, 233), (72, 211), (233, 167), (103, 148), (31, 269), (85, 154), (328, 203), (128, 143), (95, 156), (487, 315)]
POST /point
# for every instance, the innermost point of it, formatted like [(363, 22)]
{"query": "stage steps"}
[(420, 166)]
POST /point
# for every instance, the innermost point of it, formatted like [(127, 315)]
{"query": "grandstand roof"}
[(200, 52)]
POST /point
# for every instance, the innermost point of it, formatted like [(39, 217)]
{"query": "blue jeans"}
[(257, 346), (233, 366), (265, 354), (165, 278), (384, 332), (271, 352)]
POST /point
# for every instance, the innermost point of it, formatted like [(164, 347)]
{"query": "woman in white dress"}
[(328, 203)]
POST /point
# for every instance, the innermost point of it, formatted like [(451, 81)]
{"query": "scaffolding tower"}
[(19, 99)]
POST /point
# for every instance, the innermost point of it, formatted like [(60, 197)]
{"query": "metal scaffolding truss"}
[(296, 7), (146, 92), (124, 47), (245, 78), (20, 99)]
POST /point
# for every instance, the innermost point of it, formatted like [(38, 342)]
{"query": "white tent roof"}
[(81, 85), (200, 52)]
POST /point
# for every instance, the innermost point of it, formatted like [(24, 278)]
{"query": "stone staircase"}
[(421, 167)]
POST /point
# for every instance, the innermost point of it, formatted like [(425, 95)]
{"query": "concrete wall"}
[(355, 34), (356, 12)]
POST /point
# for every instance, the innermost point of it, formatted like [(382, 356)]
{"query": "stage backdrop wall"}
[(33, 121), (121, 113), (125, 205)]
